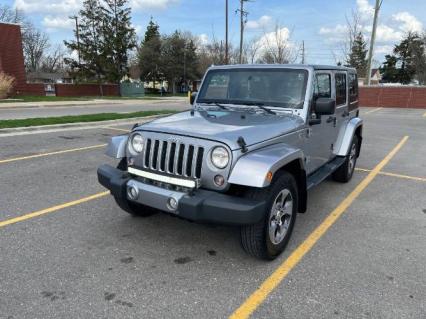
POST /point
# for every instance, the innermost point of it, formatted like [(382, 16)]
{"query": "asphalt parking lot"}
[(68, 251)]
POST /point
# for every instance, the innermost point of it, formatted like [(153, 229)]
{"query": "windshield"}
[(269, 87)]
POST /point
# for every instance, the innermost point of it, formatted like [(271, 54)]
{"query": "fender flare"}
[(117, 146), (251, 169), (346, 134)]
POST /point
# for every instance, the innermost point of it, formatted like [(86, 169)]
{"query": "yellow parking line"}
[(257, 297), (51, 209), (424, 115), (117, 129), (414, 178), (374, 110), (8, 160)]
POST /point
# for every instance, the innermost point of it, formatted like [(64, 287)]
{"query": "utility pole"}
[(226, 33), (184, 67), (303, 52), (78, 37), (373, 38), (243, 17)]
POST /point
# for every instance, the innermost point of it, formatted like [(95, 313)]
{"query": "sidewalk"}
[(94, 102)]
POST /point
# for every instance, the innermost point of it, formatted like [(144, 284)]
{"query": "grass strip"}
[(37, 121), (30, 98)]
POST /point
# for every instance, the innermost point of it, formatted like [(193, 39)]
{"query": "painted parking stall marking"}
[(52, 209), (8, 160), (268, 286), (374, 110), (414, 178)]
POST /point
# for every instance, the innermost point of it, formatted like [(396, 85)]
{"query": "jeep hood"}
[(226, 126)]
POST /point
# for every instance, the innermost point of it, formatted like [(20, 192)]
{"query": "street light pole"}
[(226, 32), (373, 38), (184, 67), (78, 37)]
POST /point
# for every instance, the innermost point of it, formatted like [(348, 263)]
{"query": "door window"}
[(340, 88), (322, 85), (353, 87)]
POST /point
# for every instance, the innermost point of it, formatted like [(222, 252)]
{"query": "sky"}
[(320, 24)]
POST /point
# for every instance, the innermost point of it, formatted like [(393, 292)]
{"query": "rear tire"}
[(344, 173), (134, 209), (268, 238)]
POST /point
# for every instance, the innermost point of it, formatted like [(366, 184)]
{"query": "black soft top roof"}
[(333, 67), (289, 66)]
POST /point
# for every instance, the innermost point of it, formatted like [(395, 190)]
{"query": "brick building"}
[(12, 59)]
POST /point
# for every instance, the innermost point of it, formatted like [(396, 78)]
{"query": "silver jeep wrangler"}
[(257, 138)]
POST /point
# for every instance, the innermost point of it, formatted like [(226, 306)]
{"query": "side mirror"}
[(193, 97), (325, 106)]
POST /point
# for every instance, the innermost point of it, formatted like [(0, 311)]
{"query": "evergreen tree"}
[(152, 31), (411, 55), (150, 53), (191, 61), (105, 36), (358, 56), (90, 65), (389, 70), (408, 61), (179, 62), (119, 38)]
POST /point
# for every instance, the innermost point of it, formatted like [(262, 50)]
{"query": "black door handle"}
[(331, 119)]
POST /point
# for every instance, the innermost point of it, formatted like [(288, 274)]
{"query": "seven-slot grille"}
[(173, 158)]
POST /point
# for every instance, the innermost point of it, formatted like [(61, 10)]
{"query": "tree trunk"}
[(174, 87)]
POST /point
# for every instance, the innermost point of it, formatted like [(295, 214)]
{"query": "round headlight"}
[(137, 143), (220, 157)]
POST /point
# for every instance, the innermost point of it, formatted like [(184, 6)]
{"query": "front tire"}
[(134, 209), (268, 238), (344, 173)]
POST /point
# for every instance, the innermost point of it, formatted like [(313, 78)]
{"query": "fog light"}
[(219, 180), (130, 161), (132, 192), (172, 203)]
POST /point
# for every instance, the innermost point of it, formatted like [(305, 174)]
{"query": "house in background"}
[(375, 78), (49, 77)]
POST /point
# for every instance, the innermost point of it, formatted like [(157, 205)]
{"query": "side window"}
[(340, 88), (322, 85), (353, 87)]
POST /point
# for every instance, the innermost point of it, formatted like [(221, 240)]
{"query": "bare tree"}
[(277, 46), (251, 50), (35, 44), (54, 61), (9, 15), (354, 28)]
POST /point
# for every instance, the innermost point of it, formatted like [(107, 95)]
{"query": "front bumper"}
[(199, 206)]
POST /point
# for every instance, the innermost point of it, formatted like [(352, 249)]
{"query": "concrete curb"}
[(49, 104), (74, 126)]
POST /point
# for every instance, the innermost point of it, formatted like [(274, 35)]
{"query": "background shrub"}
[(6, 84)]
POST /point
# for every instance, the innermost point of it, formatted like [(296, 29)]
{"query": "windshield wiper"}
[(223, 107), (260, 105)]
